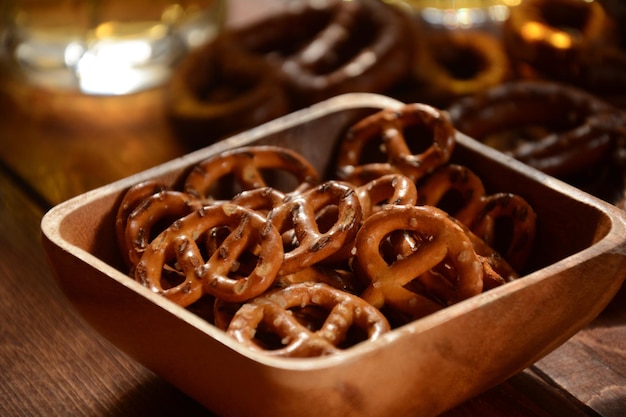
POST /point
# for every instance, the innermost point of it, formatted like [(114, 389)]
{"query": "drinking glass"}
[(462, 14), (104, 47)]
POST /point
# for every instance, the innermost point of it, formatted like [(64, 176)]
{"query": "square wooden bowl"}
[(423, 368)]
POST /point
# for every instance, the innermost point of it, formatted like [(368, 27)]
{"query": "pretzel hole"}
[(224, 189), (453, 201), (437, 284), (171, 277), (462, 63), (327, 217), (362, 36), (418, 138), (224, 85), (503, 234), (566, 16), (281, 180), (310, 317), (297, 35)]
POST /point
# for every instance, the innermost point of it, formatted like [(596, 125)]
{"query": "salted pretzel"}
[(480, 212), (414, 140), (273, 314), (311, 241), (514, 244), (131, 199), (441, 270), (179, 250), (341, 279), (453, 188), (155, 213), (251, 167)]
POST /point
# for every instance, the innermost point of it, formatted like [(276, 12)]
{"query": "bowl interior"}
[(316, 135)]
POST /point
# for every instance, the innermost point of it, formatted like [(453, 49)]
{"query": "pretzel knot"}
[(414, 140), (318, 223), (177, 253), (252, 167), (281, 316), (441, 269)]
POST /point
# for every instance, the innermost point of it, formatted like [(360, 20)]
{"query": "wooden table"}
[(53, 364)]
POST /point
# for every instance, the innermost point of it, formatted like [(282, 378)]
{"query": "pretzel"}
[(299, 214), (517, 243), (132, 198), (459, 63), (398, 133), (453, 188), (341, 279), (323, 49), (157, 211), (251, 167), (479, 213), (553, 37), (443, 251), (177, 249), (218, 88), (575, 129), (273, 312)]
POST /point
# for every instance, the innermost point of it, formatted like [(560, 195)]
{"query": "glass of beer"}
[(104, 47), (462, 14)]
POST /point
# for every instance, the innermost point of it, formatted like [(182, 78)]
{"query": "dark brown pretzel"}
[(312, 242), (219, 90), (442, 268), (553, 37), (249, 165), (323, 49), (575, 129), (298, 339), (178, 249), (396, 133)]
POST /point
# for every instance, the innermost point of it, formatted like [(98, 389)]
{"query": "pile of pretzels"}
[(292, 265), (553, 76)]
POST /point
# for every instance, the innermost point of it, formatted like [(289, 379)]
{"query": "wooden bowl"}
[(423, 368)]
